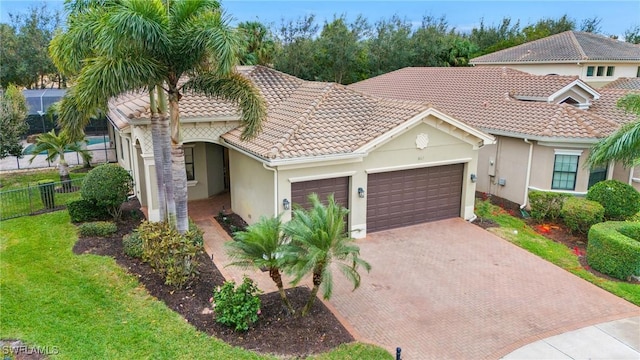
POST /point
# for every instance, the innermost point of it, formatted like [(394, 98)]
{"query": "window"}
[(188, 163), (600, 71), (597, 174), (610, 70), (590, 70), (565, 169)]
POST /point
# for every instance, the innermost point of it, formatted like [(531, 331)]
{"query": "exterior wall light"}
[(474, 178), (361, 193), (286, 204)]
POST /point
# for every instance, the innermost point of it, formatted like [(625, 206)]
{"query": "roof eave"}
[(545, 139)]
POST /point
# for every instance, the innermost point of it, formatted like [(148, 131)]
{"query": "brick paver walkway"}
[(446, 290)]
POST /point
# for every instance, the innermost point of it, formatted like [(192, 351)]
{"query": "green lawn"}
[(515, 230), (89, 308), (9, 181)]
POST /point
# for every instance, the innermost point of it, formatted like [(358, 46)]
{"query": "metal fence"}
[(39, 198)]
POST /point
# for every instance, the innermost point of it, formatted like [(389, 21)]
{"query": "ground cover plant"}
[(568, 252), (88, 306)]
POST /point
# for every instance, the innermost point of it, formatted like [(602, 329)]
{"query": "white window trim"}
[(567, 152)]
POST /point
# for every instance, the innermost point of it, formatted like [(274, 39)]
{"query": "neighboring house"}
[(595, 59), (391, 162), (543, 125)]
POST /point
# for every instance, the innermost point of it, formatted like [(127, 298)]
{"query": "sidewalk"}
[(618, 339)]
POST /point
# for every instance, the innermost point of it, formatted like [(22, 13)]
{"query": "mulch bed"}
[(274, 333)]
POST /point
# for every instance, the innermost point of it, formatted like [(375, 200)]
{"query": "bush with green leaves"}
[(97, 228), (237, 307), (614, 248), (82, 210), (579, 214), (195, 234), (620, 201), (546, 205), (173, 255), (132, 244), (107, 185)]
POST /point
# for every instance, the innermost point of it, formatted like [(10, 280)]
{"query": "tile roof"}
[(607, 107), (486, 98), (304, 118), (624, 83), (568, 46)]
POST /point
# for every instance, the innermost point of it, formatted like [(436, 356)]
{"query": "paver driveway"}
[(449, 289)]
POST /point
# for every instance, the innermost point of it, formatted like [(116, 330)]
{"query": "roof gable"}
[(568, 46)]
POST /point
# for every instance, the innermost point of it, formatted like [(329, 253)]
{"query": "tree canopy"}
[(13, 112)]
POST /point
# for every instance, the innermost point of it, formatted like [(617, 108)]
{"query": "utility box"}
[(492, 166), (502, 181)]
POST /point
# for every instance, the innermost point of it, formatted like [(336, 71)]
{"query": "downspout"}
[(275, 188), (528, 177)]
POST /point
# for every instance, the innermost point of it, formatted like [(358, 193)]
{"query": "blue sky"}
[(617, 16)]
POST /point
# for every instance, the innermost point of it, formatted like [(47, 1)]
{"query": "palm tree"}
[(318, 240), (117, 46), (56, 146), (257, 46), (261, 245), (624, 144)]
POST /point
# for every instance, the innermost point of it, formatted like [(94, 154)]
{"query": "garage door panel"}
[(338, 186), (414, 196)]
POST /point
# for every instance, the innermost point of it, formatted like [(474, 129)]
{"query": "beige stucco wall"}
[(627, 176), (621, 70), (509, 157), (252, 187)]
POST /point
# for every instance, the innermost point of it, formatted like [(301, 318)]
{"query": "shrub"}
[(620, 200), (171, 254), (132, 244), (546, 205), (611, 251), (107, 185), (483, 208), (579, 214), (97, 228), (237, 307), (84, 210), (195, 234)]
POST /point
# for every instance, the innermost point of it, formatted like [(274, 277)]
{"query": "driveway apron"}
[(449, 289)]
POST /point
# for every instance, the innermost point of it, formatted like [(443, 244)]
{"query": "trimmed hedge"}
[(84, 210), (107, 185), (611, 251), (546, 205), (97, 228), (579, 214), (621, 201), (132, 244)]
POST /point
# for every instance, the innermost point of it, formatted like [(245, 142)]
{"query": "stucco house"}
[(543, 125), (595, 59), (392, 162)]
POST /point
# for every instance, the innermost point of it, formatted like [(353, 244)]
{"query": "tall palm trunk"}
[(157, 154), (165, 159), (177, 164), (317, 280), (274, 273), (63, 170)]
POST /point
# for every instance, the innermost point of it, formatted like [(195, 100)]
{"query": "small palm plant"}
[(56, 146), (318, 239), (261, 246)]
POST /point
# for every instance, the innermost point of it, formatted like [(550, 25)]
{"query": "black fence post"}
[(398, 353), (47, 192)]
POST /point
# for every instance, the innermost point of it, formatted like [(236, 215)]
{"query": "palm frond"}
[(240, 91), (208, 34), (69, 49)]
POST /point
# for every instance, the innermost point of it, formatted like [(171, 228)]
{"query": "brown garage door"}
[(338, 186), (408, 197)]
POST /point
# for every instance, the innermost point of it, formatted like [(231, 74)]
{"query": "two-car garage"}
[(396, 198)]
